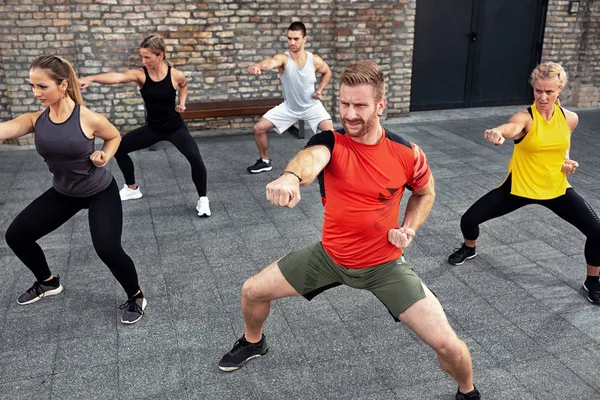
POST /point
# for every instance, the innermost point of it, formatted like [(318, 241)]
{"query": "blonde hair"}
[(365, 73), (548, 70), (155, 44), (60, 70)]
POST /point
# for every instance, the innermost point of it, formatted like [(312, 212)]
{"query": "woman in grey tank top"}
[(65, 132)]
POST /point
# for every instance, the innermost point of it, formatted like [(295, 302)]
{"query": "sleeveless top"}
[(299, 84), (159, 100), (67, 151), (538, 158)]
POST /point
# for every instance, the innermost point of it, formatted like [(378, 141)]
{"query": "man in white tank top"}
[(297, 71)]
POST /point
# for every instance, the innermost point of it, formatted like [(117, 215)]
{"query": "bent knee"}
[(450, 347), (251, 289), (15, 235)]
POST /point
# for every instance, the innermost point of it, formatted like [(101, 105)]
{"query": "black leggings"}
[(571, 207), (52, 209), (144, 137)]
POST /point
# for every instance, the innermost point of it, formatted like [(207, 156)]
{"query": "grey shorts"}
[(311, 271)]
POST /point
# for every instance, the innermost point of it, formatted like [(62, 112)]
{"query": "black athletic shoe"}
[(242, 352), (133, 309), (260, 166), (592, 288), (461, 254), (472, 395), (39, 290)]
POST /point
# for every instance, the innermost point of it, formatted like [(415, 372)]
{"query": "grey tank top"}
[(299, 84), (67, 151)]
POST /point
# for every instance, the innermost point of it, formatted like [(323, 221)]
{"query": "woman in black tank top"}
[(65, 132), (159, 84)]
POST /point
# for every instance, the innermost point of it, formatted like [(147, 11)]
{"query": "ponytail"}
[(60, 70)]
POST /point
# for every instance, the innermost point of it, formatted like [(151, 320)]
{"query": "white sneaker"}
[(130, 194), (202, 207)]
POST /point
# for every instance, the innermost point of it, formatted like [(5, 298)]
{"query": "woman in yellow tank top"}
[(537, 173)]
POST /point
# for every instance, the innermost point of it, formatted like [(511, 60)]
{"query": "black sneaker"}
[(461, 254), (472, 395), (260, 166), (134, 309), (40, 290), (242, 352), (592, 288)]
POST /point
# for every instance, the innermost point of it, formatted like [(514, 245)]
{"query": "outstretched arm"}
[(301, 170), (19, 126), (515, 128), (111, 78), (322, 68), (278, 61)]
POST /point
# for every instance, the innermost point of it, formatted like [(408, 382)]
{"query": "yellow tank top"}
[(538, 158)]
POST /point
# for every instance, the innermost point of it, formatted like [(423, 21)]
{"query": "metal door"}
[(471, 53)]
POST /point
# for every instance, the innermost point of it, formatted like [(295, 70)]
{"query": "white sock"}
[(267, 161)]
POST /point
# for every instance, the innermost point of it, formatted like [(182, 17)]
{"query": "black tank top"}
[(159, 99), (67, 151)]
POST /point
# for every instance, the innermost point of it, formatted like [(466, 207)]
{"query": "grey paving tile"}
[(530, 276), (26, 331), (82, 353), (517, 305), (94, 382), (348, 376), (556, 334), (231, 386), (160, 376), (547, 378), (509, 345), (585, 319), (24, 389), (560, 298), (583, 363), (21, 363)]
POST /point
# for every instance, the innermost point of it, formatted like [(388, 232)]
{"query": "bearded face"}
[(360, 111)]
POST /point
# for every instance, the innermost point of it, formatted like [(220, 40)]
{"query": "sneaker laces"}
[(239, 345), (35, 288), (131, 305)]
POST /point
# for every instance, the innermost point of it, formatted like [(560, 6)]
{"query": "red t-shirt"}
[(361, 189)]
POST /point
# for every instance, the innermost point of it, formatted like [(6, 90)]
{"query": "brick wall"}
[(574, 41), (214, 41)]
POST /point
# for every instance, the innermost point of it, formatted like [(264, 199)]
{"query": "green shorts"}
[(311, 271)]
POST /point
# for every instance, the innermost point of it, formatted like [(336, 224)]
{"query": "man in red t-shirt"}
[(362, 171)]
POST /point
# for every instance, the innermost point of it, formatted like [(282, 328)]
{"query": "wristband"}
[(293, 173)]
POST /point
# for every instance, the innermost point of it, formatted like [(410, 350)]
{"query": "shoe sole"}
[(588, 296), (144, 304), (256, 171), (131, 197), (461, 263), (230, 369), (47, 293), (203, 215)]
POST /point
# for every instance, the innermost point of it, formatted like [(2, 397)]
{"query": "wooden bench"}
[(236, 108)]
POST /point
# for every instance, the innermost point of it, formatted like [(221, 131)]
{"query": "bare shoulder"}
[(522, 115), (90, 117), (572, 118), (317, 58), (33, 116), (177, 72)]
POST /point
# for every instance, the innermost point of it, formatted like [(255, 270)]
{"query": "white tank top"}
[(299, 84)]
